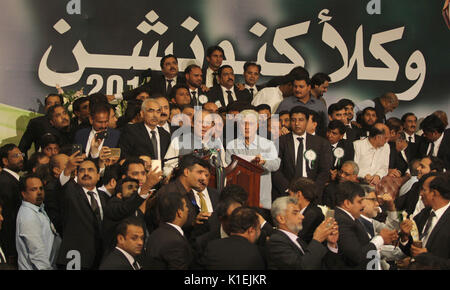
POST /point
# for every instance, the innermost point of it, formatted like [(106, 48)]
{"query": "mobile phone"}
[(329, 214), (101, 135), (77, 147), (115, 152)]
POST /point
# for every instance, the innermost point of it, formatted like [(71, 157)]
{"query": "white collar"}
[(291, 236), (296, 136), (87, 190), (346, 212), (366, 218), (150, 129), (127, 255), (441, 211), (14, 174), (178, 228), (439, 140), (224, 89)]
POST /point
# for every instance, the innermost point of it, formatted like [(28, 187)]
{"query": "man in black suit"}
[(81, 111), (38, 126), (411, 201), (367, 119), (146, 138), (226, 91), (304, 190), (61, 125), (168, 248), (409, 122), (251, 76), (313, 161), (437, 139), (214, 58), (82, 210), (194, 80), (165, 113), (130, 243), (350, 130), (238, 251), (12, 163), (94, 138), (354, 242), (433, 224), (286, 251), (335, 134)]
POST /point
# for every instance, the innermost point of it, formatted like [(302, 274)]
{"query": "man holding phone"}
[(93, 139)]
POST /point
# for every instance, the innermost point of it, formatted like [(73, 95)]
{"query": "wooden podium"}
[(247, 175)]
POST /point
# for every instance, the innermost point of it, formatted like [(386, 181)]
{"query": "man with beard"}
[(367, 119), (286, 251), (194, 76), (36, 238), (348, 172), (12, 163), (319, 86)]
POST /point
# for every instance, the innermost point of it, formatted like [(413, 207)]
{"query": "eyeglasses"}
[(17, 155)]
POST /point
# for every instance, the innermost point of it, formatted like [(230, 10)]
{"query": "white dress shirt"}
[(128, 256), (412, 136), (437, 144), (225, 96), (371, 160), (149, 130), (209, 78), (97, 198), (271, 96), (255, 89), (206, 197), (166, 127), (434, 221), (296, 143), (89, 142)]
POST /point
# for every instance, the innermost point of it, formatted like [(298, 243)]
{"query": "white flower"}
[(118, 111), (203, 99), (338, 152), (310, 155), (70, 108)]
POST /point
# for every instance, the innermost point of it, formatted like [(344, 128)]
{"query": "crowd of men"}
[(135, 193)]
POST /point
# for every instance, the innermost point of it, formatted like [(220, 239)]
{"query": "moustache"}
[(86, 177), (164, 115)]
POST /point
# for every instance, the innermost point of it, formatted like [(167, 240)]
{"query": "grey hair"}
[(354, 165), (280, 205), (146, 101), (368, 189)]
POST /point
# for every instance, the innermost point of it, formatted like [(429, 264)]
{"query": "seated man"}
[(372, 154), (238, 251), (168, 248), (348, 172), (354, 242), (130, 243), (286, 251)]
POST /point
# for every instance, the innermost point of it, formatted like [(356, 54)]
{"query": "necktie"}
[(203, 206), (154, 144), (426, 230), (194, 98), (368, 227), (2, 259), (432, 149), (300, 245), (215, 78), (94, 206), (251, 91), (299, 164), (229, 97), (136, 266), (169, 87), (410, 139)]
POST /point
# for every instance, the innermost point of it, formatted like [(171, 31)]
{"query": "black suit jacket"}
[(353, 243), (36, 128), (81, 231), (313, 218), (396, 159), (352, 133), (111, 141), (136, 141), (11, 197), (444, 149), (233, 253), (408, 201), (349, 153), (283, 254), (167, 249), (216, 94), (116, 260), (438, 244), (320, 170), (156, 85)]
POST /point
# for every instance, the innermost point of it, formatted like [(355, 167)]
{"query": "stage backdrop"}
[(367, 47)]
